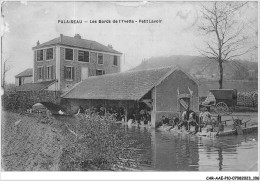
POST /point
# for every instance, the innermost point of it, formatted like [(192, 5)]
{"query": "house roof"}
[(130, 85), (35, 86), (78, 42), (26, 73)]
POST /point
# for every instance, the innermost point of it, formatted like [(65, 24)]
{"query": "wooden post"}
[(153, 112), (199, 124), (105, 106), (219, 120), (126, 111), (192, 102)]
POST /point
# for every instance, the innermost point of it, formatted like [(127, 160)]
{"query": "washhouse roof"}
[(130, 85)]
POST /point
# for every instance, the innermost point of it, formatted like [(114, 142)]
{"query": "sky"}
[(27, 22)]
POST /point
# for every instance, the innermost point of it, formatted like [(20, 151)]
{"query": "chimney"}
[(38, 43), (110, 46), (61, 37), (77, 36)]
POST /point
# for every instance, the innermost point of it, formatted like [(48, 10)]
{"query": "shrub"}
[(99, 145), (14, 100), (249, 99)]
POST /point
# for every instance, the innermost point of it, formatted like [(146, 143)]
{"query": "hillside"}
[(202, 67)]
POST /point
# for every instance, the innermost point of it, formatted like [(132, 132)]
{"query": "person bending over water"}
[(193, 121), (165, 120), (185, 117)]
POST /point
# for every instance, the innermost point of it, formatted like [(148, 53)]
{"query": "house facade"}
[(70, 60)]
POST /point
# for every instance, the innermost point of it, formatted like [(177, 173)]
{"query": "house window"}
[(39, 55), (100, 59), (69, 73), (49, 54), (49, 72), (21, 81), (100, 72), (115, 60), (40, 73), (83, 56), (68, 54)]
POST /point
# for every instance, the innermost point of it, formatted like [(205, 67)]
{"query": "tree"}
[(5, 68), (224, 33)]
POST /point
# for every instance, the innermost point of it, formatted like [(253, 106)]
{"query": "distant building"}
[(24, 77), (69, 60), (252, 74)]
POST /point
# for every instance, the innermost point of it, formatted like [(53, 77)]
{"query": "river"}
[(164, 151)]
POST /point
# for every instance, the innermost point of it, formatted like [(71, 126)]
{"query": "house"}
[(164, 91), (24, 77), (252, 73), (70, 60)]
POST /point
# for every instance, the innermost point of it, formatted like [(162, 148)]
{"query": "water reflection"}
[(180, 152), (171, 152), (231, 153)]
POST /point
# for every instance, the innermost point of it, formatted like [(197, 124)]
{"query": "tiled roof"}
[(119, 86), (35, 86), (26, 73), (78, 42)]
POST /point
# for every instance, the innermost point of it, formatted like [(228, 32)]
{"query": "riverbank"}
[(60, 143), (32, 142), (29, 143)]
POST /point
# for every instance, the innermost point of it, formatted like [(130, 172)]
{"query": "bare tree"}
[(5, 68), (224, 33)]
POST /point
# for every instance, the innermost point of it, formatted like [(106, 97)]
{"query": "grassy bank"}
[(43, 143), (29, 144)]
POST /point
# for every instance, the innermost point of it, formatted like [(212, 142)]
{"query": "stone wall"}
[(23, 100)]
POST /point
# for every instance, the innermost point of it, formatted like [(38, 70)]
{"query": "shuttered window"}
[(83, 56), (49, 54), (49, 72), (40, 73), (68, 54), (100, 59), (69, 72), (39, 55), (115, 60)]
